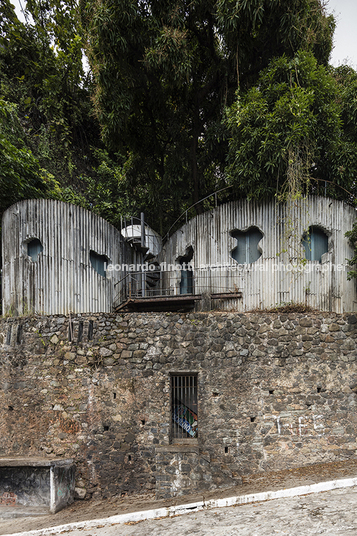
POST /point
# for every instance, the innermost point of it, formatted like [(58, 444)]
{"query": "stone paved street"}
[(332, 513)]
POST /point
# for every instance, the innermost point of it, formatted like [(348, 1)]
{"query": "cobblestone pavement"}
[(332, 513)]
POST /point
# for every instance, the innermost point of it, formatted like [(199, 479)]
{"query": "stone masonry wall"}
[(274, 392)]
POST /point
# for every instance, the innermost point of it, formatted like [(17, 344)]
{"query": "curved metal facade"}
[(281, 272), (65, 275)]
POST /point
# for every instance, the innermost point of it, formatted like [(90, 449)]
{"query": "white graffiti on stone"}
[(303, 425)]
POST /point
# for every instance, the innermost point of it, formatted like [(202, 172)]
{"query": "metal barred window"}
[(184, 406)]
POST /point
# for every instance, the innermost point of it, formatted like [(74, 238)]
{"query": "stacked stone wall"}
[(274, 391)]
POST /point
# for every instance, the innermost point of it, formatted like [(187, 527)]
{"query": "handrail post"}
[(197, 202), (143, 254), (142, 221)]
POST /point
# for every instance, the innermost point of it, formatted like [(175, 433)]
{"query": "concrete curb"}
[(194, 507)]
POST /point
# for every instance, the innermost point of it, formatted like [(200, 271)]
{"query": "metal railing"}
[(158, 283), (186, 212), (128, 223)]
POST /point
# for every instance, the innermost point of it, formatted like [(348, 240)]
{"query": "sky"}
[(345, 39)]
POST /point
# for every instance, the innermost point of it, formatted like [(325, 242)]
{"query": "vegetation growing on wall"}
[(352, 235)]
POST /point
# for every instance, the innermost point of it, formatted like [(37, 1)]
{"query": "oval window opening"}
[(315, 243), (34, 247), (247, 250)]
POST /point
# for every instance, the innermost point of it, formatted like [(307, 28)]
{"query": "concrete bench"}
[(35, 486)]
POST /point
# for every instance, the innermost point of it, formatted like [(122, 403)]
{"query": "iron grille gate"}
[(184, 406)]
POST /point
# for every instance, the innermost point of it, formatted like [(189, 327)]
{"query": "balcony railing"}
[(154, 284)]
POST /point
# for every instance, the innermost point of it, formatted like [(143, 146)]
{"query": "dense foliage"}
[(43, 83), (20, 174), (179, 99), (290, 133), (164, 73)]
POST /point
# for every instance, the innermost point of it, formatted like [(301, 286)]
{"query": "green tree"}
[(41, 70), (287, 134), (164, 71), (159, 70), (20, 173), (256, 31)]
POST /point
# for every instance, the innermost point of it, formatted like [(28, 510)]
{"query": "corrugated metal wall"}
[(266, 283), (62, 280)]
